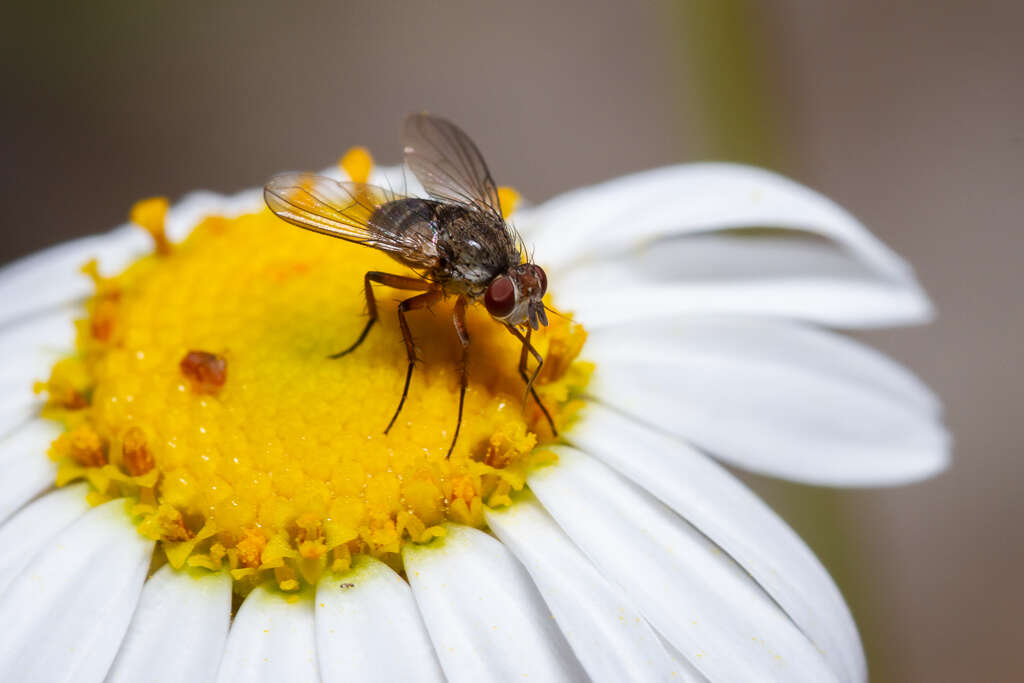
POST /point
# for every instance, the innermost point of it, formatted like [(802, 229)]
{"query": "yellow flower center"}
[(202, 390)]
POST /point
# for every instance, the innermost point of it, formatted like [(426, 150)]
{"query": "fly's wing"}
[(448, 164), (339, 209)]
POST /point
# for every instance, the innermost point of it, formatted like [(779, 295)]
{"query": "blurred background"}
[(909, 114)]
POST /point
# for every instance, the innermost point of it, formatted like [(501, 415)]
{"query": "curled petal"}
[(775, 398), (672, 240)]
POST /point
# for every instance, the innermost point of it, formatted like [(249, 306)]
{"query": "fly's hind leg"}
[(529, 379), (459, 319), (389, 280), (418, 301)]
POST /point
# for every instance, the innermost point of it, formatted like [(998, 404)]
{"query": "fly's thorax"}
[(474, 247)]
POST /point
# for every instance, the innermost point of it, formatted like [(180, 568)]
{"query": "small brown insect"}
[(457, 241)]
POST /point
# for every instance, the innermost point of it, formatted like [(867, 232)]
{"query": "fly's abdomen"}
[(403, 216), (412, 223)]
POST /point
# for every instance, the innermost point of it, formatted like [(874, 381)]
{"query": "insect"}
[(457, 243)]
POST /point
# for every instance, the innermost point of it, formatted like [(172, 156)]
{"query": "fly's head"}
[(514, 298)]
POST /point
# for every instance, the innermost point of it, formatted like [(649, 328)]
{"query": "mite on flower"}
[(458, 242), (200, 497)]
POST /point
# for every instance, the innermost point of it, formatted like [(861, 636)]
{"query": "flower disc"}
[(203, 390)]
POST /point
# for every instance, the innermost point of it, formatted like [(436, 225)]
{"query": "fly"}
[(457, 242)]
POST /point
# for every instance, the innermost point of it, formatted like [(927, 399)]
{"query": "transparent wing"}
[(339, 209), (448, 164)]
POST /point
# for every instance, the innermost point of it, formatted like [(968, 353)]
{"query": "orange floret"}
[(136, 455), (250, 548)]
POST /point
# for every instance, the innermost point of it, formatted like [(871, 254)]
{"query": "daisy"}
[(198, 493)]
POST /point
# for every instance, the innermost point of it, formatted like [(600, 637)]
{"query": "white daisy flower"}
[(238, 516)]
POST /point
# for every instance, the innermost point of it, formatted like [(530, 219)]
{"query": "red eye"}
[(501, 297), (543, 277)]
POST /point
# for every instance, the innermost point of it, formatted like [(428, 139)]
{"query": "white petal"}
[(798, 276), (775, 342), (53, 277), (682, 662), (649, 245), (30, 348), (728, 513), (27, 471), (610, 638), (694, 594), (271, 640), (64, 616), (363, 618), (484, 615), (16, 409), (178, 631), (620, 214), (35, 525), (775, 399)]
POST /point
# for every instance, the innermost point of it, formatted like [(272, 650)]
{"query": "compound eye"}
[(543, 277), (500, 298)]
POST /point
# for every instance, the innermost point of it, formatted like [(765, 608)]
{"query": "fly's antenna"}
[(553, 311)]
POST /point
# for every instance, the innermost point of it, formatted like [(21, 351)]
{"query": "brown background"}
[(910, 114)]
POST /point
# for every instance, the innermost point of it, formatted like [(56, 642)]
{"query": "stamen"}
[(357, 164), (135, 454), (509, 198), (150, 214)]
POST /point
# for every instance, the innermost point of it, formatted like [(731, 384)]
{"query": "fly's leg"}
[(529, 379), (389, 280), (416, 302), (459, 319), (527, 347)]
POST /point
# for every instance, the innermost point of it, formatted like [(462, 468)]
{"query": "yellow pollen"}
[(202, 390), (358, 164)]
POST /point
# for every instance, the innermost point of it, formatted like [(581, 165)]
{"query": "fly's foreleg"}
[(529, 379), (389, 280), (459, 319), (418, 301)]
